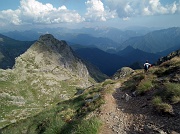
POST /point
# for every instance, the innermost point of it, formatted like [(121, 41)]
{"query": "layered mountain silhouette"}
[(133, 52), (114, 34), (137, 55), (106, 62), (110, 63), (110, 38), (99, 42), (156, 41)]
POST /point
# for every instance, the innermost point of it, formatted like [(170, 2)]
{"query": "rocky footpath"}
[(124, 114)]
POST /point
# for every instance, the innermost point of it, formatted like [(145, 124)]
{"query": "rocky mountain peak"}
[(49, 43), (52, 42), (49, 55), (46, 37)]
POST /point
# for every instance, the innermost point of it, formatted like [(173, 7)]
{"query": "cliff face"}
[(50, 56)]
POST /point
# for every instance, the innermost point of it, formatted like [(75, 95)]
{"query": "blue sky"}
[(26, 14)]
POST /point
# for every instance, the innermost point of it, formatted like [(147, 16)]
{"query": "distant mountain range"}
[(99, 42), (106, 62), (114, 34), (156, 41), (102, 38), (99, 46), (110, 63), (109, 39), (134, 55)]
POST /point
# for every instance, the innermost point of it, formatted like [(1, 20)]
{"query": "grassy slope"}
[(22, 99), (162, 82), (70, 116)]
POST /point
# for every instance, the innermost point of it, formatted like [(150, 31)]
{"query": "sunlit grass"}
[(172, 92), (68, 116), (161, 106), (144, 86)]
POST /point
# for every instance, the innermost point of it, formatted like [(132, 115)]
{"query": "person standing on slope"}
[(146, 66)]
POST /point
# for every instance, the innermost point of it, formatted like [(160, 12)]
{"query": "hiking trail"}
[(123, 114)]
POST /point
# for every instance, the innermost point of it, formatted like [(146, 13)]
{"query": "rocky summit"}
[(50, 56)]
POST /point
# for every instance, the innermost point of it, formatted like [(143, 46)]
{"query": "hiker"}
[(146, 66)]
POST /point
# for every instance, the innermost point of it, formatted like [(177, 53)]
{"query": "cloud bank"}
[(34, 12), (131, 8)]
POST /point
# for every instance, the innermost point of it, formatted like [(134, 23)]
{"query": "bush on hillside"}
[(144, 86), (169, 92), (160, 106), (172, 92), (132, 83)]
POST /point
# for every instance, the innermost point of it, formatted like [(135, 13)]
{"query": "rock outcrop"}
[(168, 57), (123, 72)]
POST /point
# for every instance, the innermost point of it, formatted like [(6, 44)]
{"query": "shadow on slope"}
[(107, 63)]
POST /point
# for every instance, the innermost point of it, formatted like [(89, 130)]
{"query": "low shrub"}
[(160, 106), (132, 83), (172, 92), (157, 100), (144, 86), (169, 92), (175, 99), (138, 77)]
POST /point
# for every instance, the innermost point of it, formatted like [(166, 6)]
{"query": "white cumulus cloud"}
[(10, 16), (129, 8), (32, 11), (97, 12)]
